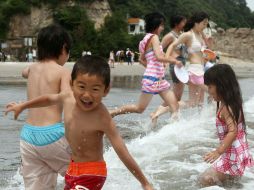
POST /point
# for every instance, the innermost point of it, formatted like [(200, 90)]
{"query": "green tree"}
[(82, 30)]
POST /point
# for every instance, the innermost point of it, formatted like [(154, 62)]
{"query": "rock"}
[(235, 42), (220, 31), (29, 25), (97, 11), (231, 30), (242, 32)]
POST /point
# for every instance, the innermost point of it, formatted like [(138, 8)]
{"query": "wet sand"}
[(121, 74)]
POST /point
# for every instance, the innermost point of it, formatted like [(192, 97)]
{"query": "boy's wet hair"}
[(51, 41), (195, 18), (227, 88), (153, 21), (175, 20), (92, 65)]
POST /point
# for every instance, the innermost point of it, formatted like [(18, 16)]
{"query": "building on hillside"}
[(136, 26)]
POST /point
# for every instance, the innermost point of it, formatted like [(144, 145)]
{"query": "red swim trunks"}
[(85, 176)]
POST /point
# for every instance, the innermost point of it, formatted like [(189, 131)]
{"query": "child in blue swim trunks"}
[(43, 147)]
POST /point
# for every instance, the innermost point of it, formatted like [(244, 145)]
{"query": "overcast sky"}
[(250, 4)]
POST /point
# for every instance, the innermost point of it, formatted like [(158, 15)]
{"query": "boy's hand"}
[(148, 187), (211, 156), (15, 107)]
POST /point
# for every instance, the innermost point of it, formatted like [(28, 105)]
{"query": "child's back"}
[(44, 149), (46, 78)]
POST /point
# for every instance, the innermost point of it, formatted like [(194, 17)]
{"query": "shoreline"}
[(122, 75)]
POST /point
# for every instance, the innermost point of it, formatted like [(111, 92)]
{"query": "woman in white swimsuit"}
[(195, 41)]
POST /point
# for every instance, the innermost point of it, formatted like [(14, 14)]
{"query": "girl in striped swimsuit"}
[(194, 40), (232, 156), (153, 58)]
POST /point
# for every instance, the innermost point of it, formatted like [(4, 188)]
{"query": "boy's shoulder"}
[(105, 117)]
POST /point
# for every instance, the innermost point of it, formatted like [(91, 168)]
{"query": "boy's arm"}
[(41, 101), (123, 153), (25, 72), (65, 80)]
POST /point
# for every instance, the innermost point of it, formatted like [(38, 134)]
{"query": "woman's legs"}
[(212, 177), (140, 107), (193, 95), (178, 90)]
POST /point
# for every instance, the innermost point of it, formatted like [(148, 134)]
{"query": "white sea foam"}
[(171, 156)]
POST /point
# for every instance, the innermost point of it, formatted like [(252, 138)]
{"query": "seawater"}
[(170, 154)]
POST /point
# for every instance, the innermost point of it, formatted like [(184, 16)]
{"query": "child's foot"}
[(174, 117), (154, 119)]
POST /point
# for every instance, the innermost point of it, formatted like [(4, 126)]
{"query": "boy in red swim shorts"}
[(86, 120)]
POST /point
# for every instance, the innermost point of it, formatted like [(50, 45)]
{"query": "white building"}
[(136, 26)]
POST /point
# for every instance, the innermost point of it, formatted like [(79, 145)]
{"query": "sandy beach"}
[(121, 74)]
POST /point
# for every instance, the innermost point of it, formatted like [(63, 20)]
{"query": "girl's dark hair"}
[(227, 88), (175, 20), (153, 21), (51, 41), (92, 65), (195, 18)]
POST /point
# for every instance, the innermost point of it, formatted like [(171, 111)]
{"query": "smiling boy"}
[(86, 121)]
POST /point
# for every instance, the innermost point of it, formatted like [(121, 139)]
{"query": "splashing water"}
[(170, 155)]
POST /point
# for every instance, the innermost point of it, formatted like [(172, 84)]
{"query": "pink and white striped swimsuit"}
[(234, 160), (153, 81)]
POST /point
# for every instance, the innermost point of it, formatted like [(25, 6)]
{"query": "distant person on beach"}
[(153, 58), (1, 56), (34, 54), (195, 41), (90, 82), (118, 56), (112, 59), (122, 56), (128, 56), (232, 156), (44, 149), (177, 24), (29, 56)]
